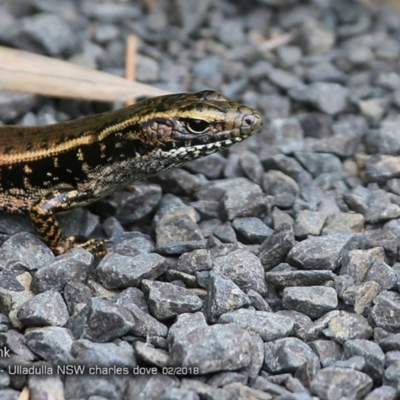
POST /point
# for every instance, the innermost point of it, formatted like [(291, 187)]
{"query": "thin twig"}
[(130, 62), (278, 41)]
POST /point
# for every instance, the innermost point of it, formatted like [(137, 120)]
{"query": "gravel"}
[(268, 271)]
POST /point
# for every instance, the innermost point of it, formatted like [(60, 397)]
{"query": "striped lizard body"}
[(49, 169)]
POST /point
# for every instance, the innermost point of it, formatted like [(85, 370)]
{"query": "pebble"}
[(267, 325), (341, 383), (224, 343), (290, 354), (167, 300), (44, 32), (47, 308), (372, 353), (14, 105), (386, 310), (287, 135), (52, 343), (328, 351), (329, 98), (346, 326), (275, 248), (309, 223), (283, 189), (101, 321), (321, 252), (251, 229), (313, 301), (319, 163), (136, 205), (116, 271), (244, 268), (73, 266), (283, 279), (223, 295)]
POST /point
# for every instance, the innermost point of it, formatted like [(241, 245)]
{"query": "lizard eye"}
[(197, 125)]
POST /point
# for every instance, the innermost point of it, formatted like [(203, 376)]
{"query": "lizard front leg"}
[(42, 214)]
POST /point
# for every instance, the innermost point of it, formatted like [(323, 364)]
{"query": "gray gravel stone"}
[(379, 168), (275, 248), (178, 181), (144, 324), (149, 386), (26, 250), (147, 353), (47, 308), (346, 326), (72, 266), (251, 166), (207, 391), (330, 98), (384, 140), (287, 135), (283, 188), (257, 301), (52, 343), (324, 252), (223, 296), (357, 263), (313, 301), (290, 355), (15, 104), (44, 33), (390, 343), (211, 166), (373, 203), (76, 296), (167, 300), (317, 39), (243, 198), (343, 223), (212, 348), (319, 163), (88, 353), (267, 325), (225, 233), (283, 279), (134, 206), (382, 393), (361, 296), (176, 223), (101, 321), (309, 223), (372, 353), (383, 274), (337, 383), (283, 79), (131, 244), (251, 229), (116, 271), (42, 387), (355, 362), (197, 260), (386, 311), (327, 351), (15, 342), (84, 386), (244, 268)]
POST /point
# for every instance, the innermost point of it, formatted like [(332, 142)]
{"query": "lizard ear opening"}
[(197, 125)]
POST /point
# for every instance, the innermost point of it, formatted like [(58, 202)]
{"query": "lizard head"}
[(188, 126)]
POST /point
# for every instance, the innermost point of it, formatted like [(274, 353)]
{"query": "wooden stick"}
[(130, 62), (27, 72)]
